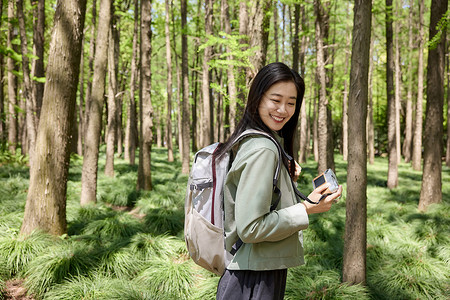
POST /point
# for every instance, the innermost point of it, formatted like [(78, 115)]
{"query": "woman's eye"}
[(291, 104), (275, 100)]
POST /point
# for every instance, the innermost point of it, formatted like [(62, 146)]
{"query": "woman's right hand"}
[(324, 204)]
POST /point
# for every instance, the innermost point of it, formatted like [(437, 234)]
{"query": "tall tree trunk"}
[(258, 31), (275, 30), (13, 125), (447, 157), (131, 126), (185, 90), (2, 99), (169, 85), (431, 191), (354, 264), (304, 139), (392, 178), (92, 46), (323, 102), (94, 124), (81, 102), (295, 66), (111, 131), (398, 83), (406, 150), (31, 117), (37, 69), (345, 104), (232, 90), (145, 103), (207, 134), (45, 208), (417, 138), (370, 122)]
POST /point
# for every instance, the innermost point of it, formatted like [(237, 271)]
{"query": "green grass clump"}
[(18, 251), (65, 259), (167, 279)]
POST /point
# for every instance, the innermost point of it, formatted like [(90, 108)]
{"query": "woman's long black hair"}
[(266, 77)]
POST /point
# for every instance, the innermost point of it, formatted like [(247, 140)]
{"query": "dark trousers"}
[(257, 285)]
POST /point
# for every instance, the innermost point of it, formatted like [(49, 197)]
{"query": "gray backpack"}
[(204, 215)]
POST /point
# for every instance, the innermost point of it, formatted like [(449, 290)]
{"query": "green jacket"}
[(272, 240)]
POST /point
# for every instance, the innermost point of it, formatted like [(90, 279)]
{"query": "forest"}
[(103, 105)]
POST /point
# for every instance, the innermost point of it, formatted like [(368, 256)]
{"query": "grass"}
[(114, 254)]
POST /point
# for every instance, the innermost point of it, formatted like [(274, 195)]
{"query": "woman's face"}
[(278, 104)]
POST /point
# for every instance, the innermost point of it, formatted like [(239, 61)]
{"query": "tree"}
[(94, 123), (31, 117), (416, 161), (392, 178), (13, 129), (112, 130), (37, 68), (354, 264), (46, 201), (185, 90), (145, 103), (169, 84), (431, 190), (131, 125), (323, 102)]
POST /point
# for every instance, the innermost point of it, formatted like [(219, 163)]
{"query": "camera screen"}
[(319, 181)]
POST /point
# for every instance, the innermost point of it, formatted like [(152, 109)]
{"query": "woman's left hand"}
[(297, 172)]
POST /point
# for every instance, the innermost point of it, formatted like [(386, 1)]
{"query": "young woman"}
[(272, 240)]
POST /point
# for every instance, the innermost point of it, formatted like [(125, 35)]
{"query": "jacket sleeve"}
[(254, 221)]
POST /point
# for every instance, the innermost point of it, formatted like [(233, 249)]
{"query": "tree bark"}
[(242, 71), (185, 90), (145, 104), (322, 133), (345, 105), (406, 149), (94, 123), (304, 139), (131, 126), (91, 67), (31, 117), (431, 191), (37, 69), (370, 122), (417, 138), (392, 178), (295, 66), (207, 133), (13, 128), (398, 87), (170, 157), (111, 132), (354, 264), (447, 157), (46, 201)]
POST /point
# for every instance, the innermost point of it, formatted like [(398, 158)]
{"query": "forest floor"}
[(15, 290)]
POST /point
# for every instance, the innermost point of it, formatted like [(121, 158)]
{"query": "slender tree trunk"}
[(406, 150), (370, 122), (45, 208), (242, 71), (295, 66), (417, 139), (81, 102), (131, 126), (94, 124), (304, 132), (447, 157), (2, 99), (315, 126), (232, 90), (185, 90), (145, 103), (92, 46), (111, 132), (31, 117), (170, 157), (398, 83), (323, 102), (275, 29), (207, 134), (345, 105), (354, 264), (392, 178), (13, 128), (431, 191), (37, 69)]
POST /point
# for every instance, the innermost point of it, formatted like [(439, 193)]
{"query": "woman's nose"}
[(282, 108)]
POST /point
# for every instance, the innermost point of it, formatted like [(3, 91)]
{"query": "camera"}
[(327, 176)]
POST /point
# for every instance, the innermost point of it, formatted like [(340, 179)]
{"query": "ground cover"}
[(130, 244)]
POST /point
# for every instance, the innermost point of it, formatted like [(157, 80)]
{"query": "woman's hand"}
[(324, 204), (297, 171)]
